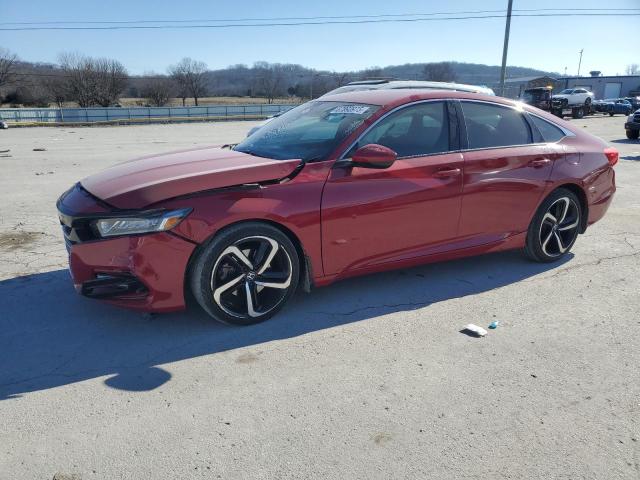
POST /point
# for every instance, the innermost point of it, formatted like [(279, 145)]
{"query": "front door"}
[(370, 217)]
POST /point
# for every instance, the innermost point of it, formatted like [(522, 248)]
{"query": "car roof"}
[(409, 84), (392, 97)]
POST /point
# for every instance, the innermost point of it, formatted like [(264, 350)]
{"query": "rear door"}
[(506, 167)]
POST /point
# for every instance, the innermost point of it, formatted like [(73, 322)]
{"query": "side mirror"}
[(373, 156)]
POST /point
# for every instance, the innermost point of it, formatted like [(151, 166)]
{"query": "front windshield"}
[(567, 90), (308, 132)]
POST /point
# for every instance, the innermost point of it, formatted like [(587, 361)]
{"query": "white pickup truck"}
[(573, 101)]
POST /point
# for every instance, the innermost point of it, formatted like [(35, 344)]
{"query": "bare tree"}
[(633, 69), (110, 80), (91, 81), (8, 64), (439, 72), (56, 88), (341, 78), (269, 79), (79, 78), (157, 90), (372, 72), (189, 76)]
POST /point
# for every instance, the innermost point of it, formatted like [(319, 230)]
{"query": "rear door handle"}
[(539, 163), (447, 172)]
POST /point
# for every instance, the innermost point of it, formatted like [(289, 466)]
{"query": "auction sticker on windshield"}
[(350, 109)]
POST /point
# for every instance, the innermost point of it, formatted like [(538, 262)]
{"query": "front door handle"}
[(447, 172), (539, 162)]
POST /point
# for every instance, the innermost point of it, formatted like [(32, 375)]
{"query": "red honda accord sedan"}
[(359, 183)]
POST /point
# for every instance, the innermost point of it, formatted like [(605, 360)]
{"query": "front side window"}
[(548, 130), (490, 126), (309, 132), (567, 91), (421, 129)]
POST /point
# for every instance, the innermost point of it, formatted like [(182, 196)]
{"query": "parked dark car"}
[(599, 106), (351, 184), (632, 126), (634, 101), (617, 106)]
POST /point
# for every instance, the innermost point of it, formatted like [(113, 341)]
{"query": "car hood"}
[(148, 180), (561, 95)]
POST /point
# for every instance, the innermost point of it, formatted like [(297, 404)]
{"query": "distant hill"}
[(473, 73), (40, 84)]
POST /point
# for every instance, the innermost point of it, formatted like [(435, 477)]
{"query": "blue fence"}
[(138, 114)]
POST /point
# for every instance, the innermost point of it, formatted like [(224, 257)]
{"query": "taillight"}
[(612, 155)]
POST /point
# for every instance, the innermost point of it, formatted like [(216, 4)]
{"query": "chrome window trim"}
[(512, 107), (399, 107), (567, 133)]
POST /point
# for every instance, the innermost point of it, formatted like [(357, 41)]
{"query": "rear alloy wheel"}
[(555, 227), (246, 275)]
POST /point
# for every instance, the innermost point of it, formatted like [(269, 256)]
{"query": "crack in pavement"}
[(429, 302), (395, 305), (588, 264)]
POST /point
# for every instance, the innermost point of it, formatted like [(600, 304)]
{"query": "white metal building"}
[(605, 87)]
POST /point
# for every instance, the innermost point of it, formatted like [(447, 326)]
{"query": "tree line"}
[(89, 81)]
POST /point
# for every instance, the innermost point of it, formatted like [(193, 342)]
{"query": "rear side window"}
[(415, 130), (549, 131), (490, 126)]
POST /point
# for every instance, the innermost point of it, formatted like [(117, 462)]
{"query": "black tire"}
[(254, 297), (611, 114), (578, 112), (549, 240), (633, 134)]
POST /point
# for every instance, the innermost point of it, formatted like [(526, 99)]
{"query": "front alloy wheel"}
[(555, 227), (246, 274)]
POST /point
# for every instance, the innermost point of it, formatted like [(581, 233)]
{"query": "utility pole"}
[(580, 61), (503, 71)]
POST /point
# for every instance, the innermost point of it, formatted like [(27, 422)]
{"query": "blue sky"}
[(545, 43)]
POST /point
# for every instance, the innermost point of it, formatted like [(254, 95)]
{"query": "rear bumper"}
[(601, 194)]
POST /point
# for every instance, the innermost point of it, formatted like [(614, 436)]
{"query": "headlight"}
[(146, 222)]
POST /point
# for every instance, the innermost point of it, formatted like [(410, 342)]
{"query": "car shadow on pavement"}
[(52, 337)]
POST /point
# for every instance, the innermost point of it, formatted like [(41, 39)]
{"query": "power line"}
[(308, 23), (333, 17), (330, 17)]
